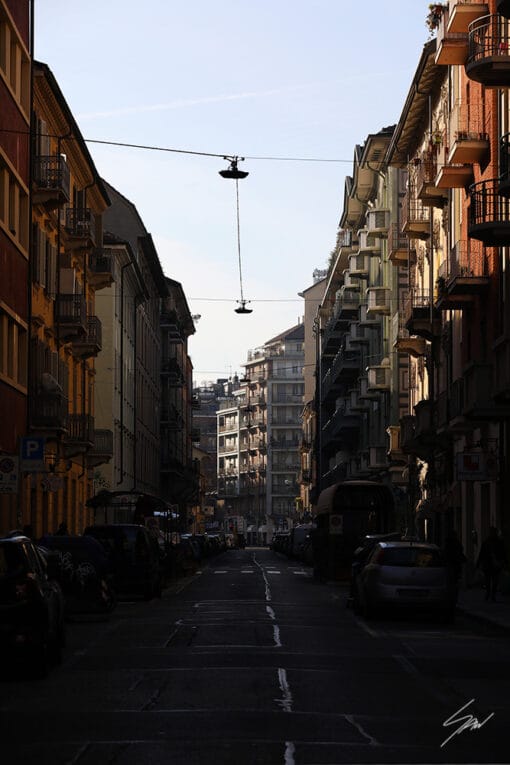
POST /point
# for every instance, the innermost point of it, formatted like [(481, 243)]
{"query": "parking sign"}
[(32, 454)]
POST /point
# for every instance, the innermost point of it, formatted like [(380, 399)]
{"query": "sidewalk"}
[(472, 603)]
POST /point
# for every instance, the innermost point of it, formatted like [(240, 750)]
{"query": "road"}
[(253, 661)]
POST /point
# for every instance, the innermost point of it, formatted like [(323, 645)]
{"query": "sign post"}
[(32, 455)]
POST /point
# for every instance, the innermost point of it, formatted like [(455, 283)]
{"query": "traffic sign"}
[(32, 454), (9, 472)]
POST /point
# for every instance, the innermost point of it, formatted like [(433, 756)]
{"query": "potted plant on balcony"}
[(433, 18)]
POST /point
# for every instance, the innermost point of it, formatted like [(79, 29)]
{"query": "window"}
[(13, 349), (14, 62), (14, 216)]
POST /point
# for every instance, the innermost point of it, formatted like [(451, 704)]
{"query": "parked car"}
[(364, 551), (405, 576), (134, 558), (31, 606), (84, 573), (298, 537)]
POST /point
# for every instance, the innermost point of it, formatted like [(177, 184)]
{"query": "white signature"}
[(465, 722)]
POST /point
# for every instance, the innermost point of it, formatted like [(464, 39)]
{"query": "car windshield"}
[(414, 557)]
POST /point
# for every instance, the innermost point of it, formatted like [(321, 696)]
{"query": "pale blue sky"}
[(265, 78)]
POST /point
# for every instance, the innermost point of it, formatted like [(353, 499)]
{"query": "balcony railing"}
[(71, 314), (80, 430), (420, 319), (52, 180), (488, 60), (462, 277), (100, 273), (427, 190), (379, 301), (79, 225), (489, 214), (90, 343), (403, 341), (398, 246), (102, 448), (415, 216), (48, 411)]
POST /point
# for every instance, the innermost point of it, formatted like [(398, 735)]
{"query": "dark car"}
[(84, 573), (31, 605), (134, 558)]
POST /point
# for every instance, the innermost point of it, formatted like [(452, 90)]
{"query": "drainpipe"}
[(122, 269), (139, 299)]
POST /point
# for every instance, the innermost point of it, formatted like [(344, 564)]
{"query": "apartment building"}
[(128, 390), (259, 439), (15, 64), (180, 470), (414, 363), (68, 203), (453, 139)]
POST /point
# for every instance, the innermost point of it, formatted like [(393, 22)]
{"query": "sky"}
[(273, 81)]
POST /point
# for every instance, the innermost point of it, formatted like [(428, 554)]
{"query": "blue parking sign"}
[(32, 453)]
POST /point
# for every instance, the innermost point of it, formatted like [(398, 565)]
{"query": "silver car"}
[(406, 576)]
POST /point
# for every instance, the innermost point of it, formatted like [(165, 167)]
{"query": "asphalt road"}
[(253, 661)]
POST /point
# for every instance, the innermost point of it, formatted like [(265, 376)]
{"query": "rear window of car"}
[(412, 557)]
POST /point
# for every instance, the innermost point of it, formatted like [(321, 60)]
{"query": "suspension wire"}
[(239, 243)]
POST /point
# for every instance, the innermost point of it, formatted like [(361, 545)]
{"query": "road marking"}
[(364, 626), (290, 751), (274, 572), (220, 572), (247, 572), (286, 701), (276, 636), (301, 573), (372, 740)]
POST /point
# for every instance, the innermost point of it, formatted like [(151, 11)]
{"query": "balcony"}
[(368, 244), (461, 13), (425, 434), (379, 301), (102, 449), (172, 420), (80, 434), (100, 271), (403, 341), (377, 223), (462, 277), (479, 401), (379, 378), (489, 214), (171, 370), (345, 366), (342, 425), (91, 342), (346, 304), (427, 191), (395, 453), (468, 147), (503, 8), (357, 404), (71, 315), (451, 47), (79, 227), (415, 216), (420, 318), (52, 181), (398, 247), (368, 320), (488, 60), (358, 335), (366, 393), (359, 266), (48, 412), (504, 166), (450, 176)]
